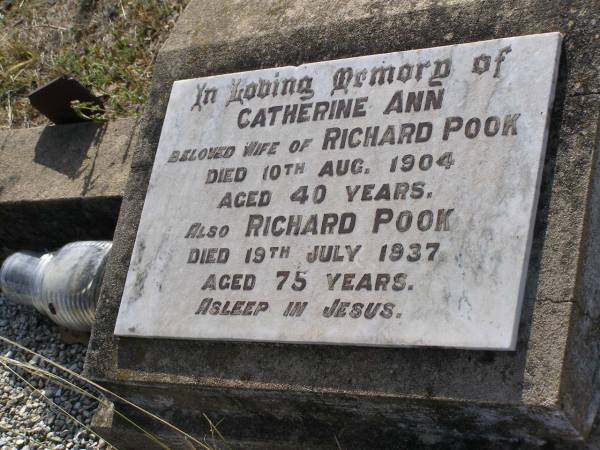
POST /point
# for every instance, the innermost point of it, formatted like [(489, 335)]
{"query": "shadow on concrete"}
[(544, 200), (47, 225), (63, 148)]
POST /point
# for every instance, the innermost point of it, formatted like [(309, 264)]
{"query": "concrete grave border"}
[(285, 396)]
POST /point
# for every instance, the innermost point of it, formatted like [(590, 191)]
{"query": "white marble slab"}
[(454, 185)]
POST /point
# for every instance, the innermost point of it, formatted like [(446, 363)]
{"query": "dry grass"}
[(109, 46)]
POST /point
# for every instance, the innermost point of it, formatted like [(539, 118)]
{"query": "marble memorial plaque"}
[(378, 200)]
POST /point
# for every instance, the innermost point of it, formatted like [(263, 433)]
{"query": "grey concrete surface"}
[(62, 183)]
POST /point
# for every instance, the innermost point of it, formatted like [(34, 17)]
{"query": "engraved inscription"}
[(378, 200)]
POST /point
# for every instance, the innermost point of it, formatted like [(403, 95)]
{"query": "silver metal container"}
[(63, 285)]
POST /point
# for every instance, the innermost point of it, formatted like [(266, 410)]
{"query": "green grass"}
[(109, 46)]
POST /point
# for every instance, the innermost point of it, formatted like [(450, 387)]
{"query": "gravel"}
[(27, 422)]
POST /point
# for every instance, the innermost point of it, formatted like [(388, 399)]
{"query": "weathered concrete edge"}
[(84, 159), (505, 424), (580, 380), (581, 376)]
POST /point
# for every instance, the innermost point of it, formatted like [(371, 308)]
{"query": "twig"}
[(9, 110), (214, 429), (122, 9), (46, 25)]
